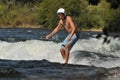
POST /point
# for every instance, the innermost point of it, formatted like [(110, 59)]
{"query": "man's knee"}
[(66, 46), (61, 50)]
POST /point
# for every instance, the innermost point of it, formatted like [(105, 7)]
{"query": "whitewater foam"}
[(85, 51)]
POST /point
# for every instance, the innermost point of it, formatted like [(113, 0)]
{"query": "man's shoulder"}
[(69, 17), (61, 22)]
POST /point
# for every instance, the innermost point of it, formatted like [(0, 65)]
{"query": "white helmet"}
[(61, 10)]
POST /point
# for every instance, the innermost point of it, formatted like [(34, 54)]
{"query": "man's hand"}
[(48, 36), (69, 38)]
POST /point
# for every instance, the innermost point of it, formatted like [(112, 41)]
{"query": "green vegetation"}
[(36, 13)]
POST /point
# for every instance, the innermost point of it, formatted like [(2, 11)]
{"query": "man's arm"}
[(73, 26), (55, 30)]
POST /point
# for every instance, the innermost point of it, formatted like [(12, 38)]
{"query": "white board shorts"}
[(73, 40)]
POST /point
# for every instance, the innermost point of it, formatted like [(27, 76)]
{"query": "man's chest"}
[(66, 24)]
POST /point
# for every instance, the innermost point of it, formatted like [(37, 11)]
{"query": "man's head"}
[(61, 13)]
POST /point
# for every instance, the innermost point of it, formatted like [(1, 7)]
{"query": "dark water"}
[(25, 54), (16, 34)]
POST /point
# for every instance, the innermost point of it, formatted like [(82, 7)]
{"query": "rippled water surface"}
[(28, 53)]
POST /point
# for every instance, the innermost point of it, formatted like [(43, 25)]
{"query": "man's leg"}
[(67, 52), (62, 50), (62, 53), (67, 46)]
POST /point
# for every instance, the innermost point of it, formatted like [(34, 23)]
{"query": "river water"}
[(21, 49)]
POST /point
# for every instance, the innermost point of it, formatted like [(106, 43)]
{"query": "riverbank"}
[(93, 29), (22, 26), (41, 27)]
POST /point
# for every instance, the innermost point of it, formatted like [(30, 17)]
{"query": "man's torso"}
[(66, 24)]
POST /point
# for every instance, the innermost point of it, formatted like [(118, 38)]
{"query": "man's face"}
[(61, 15)]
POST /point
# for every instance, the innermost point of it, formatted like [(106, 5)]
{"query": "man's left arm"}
[(73, 26)]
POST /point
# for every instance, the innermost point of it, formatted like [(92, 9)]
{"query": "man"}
[(71, 28)]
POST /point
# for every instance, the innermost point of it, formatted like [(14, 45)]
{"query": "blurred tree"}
[(114, 23), (48, 8), (86, 13)]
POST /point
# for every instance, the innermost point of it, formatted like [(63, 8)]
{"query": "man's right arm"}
[(55, 30)]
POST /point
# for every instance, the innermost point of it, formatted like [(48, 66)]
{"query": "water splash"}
[(85, 51)]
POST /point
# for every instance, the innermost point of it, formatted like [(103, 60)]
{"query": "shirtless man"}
[(71, 28)]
